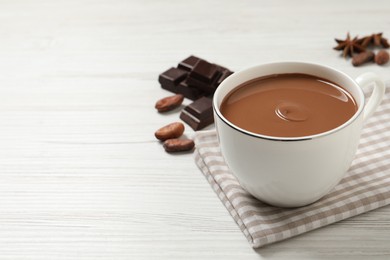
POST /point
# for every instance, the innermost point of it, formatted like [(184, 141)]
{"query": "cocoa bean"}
[(382, 57), (170, 131), (362, 58), (178, 145), (169, 103)]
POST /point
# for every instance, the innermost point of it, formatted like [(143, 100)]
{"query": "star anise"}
[(349, 46), (375, 39)]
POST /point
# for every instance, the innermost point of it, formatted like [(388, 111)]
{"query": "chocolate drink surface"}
[(288, 105)]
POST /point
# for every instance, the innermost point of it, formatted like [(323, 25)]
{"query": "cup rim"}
[(297, 138)]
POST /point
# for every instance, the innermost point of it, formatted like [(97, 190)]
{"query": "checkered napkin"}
[(365, 187)]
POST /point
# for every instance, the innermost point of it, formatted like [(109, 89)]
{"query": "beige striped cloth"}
[(365, 187)]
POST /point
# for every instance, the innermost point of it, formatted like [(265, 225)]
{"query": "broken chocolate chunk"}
[(194, 78), (189, 63), (189, 91), (170, 78), (204, 76), (224, 74), (198, 114)]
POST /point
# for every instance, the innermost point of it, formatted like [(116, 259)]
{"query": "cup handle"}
[(377, 94)]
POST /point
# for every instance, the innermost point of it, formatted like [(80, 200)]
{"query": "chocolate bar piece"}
[(198, 114), (204, 75), (188, 91), (171, 78), (189, 63), (224, 74), (193, 78)]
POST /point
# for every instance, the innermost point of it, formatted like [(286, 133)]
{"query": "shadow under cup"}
[(289, 171)]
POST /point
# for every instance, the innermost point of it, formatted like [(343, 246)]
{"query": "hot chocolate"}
[(288, 105)]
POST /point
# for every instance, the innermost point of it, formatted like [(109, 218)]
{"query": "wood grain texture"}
[(81, 174)]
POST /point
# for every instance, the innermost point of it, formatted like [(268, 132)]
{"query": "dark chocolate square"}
[(198, 114), (172, 77), (194, 78), (200, 108), (169, 88), (204, 71), (224, 75), (204, 76), (188, 91), (189, 63)]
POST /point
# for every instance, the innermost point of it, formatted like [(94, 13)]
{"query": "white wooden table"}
[(81, 174)]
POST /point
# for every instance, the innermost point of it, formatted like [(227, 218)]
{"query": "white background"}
[(81, 174)]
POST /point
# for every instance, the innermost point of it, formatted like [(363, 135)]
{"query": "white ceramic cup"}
[(294, 171)]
